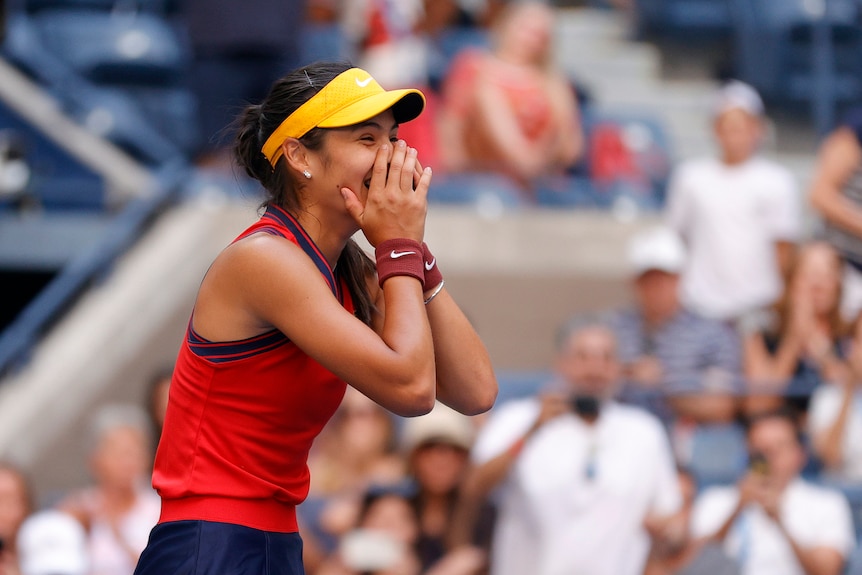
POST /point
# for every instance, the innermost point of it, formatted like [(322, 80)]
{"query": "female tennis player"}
[(292, 311)]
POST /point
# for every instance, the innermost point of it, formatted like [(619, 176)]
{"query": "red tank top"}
[(242, 416)]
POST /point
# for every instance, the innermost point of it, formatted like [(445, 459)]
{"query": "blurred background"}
[(117, 188)]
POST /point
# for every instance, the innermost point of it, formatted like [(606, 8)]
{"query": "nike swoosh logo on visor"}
[(363, 83), (395, 255), (430, 266)]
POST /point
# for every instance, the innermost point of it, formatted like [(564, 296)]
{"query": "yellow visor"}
[(350, 98)]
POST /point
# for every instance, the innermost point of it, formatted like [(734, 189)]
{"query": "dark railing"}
[(19, 339)]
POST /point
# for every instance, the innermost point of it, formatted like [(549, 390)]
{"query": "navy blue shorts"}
[(211, 548)]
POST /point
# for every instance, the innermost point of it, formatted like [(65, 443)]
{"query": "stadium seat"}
[(628, 154), (567, 192), (490, 194), (699, 21), (449, 43), (718, 454), (775, 50), (854, 562), (324, 41), (114, 48), (120, 74), (519, 384), (57, 180)]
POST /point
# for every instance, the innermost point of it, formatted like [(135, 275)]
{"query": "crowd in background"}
[(740, 319)]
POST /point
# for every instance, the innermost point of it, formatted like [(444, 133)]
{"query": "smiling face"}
[(347, 157)]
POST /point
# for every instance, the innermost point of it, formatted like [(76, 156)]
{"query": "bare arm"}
[(760, 364), (465, 377), (497, 119), (839, 156), (264, 281)]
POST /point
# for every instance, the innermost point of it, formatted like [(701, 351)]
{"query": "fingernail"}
[(427, 170), (412, 151), (401, 143)]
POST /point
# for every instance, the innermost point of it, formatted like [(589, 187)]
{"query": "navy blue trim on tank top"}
[(225, 351), (307, 245)]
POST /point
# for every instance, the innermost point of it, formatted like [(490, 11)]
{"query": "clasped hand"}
[(397, 199)]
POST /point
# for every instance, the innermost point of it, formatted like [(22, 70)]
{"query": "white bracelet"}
[(435, 292)]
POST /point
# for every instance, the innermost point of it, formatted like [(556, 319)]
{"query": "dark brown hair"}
[(257, 122)]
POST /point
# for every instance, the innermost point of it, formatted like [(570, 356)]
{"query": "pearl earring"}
[(307, 174)]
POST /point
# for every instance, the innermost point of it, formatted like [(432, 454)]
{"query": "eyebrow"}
[(371, 124)]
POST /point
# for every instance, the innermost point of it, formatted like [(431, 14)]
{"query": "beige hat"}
[(442, 425)]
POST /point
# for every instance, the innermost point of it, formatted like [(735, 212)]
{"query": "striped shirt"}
[(697, 354), (848, 244)]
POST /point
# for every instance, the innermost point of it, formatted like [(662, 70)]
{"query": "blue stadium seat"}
[(449, 43), (519, 384), (629, 154), (775, 50), (718, 454), (121, 74), (699, 21), (490, 194), (324, 41), (854, 562), (115, 48), (58, 181), (567, 192)]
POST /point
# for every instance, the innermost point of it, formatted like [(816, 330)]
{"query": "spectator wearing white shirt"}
[(773, 521), (739, 213), (576, 475)]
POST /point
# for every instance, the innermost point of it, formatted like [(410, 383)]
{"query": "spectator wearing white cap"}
[(739, 213), (52, 542), (119, 508), (682, 366)]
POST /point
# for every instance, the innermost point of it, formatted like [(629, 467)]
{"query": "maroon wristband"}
[(433, 275), (399, 257)]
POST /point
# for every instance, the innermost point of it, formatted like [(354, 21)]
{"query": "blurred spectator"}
[(437, 449), (509, 110), (800, 345), (119, 509), (575, 474), (682, 366), (16, 504), (52, 542), (773, 521), (835, 419), (239, 49), (157, 400), (385, 39), (738, 213), (685, 555), (836, 195), (383, 540), (357, 449)]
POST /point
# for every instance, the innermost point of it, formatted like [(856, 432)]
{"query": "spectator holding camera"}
[(773, 521), (582, 482)]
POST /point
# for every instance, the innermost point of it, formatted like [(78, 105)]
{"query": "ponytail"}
[(356, 268), (257, 122)]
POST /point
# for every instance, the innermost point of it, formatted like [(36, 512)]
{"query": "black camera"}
[(585, 406), (758, 463)]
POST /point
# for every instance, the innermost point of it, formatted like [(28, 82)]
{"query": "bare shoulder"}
[(247, 282)]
